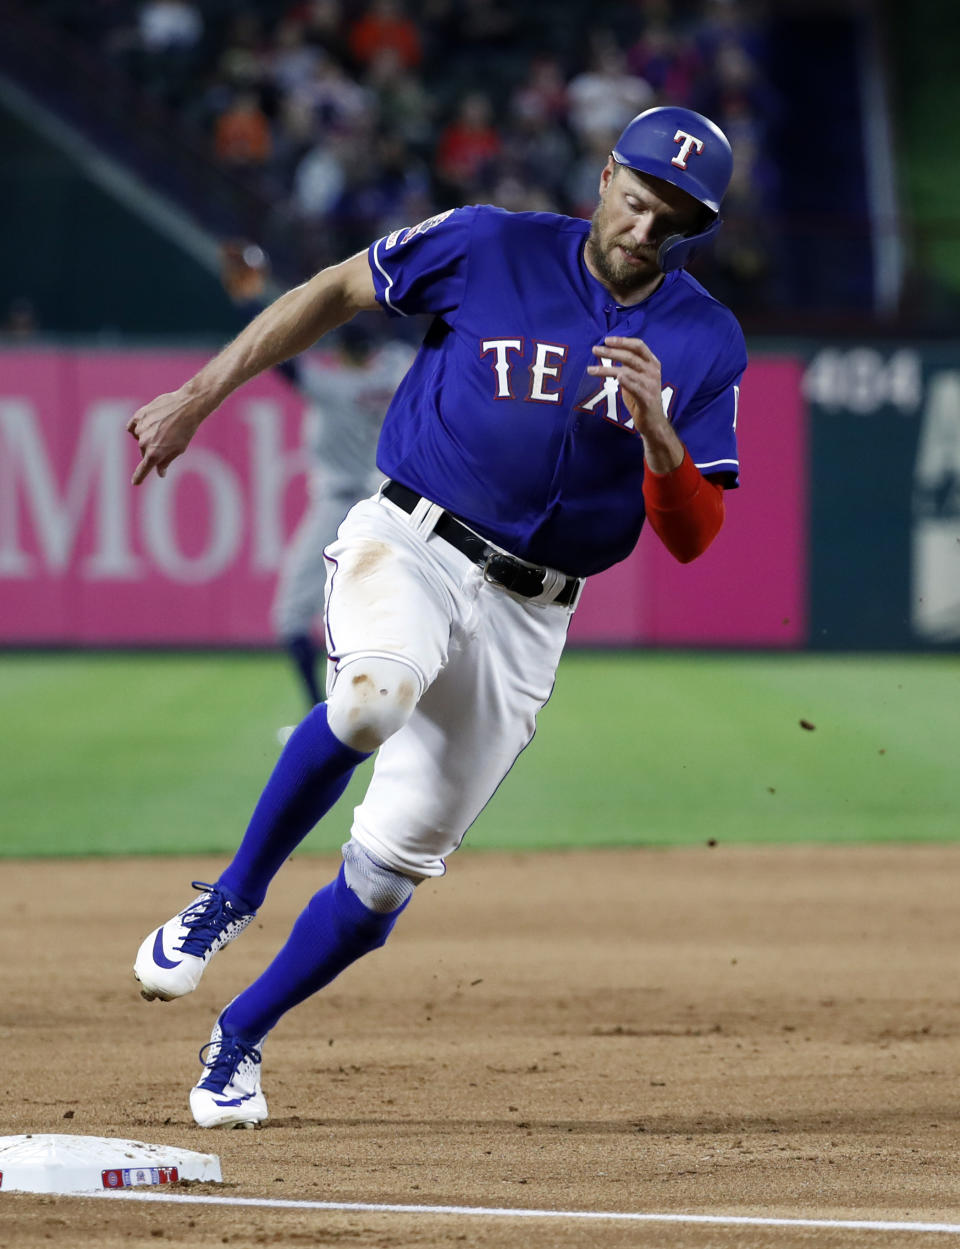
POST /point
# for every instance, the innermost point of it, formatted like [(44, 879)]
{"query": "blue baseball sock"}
[(333, 931), (311, 774)]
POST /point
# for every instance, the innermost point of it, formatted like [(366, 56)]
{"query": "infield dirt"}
[(768, 1032)]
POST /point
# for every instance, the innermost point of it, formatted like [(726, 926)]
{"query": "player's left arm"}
[(685, 509), (164, 427)]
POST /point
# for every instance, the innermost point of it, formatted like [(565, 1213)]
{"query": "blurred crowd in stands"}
[(352, 119)]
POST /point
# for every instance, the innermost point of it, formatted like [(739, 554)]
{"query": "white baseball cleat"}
[(228, 1094), (172, 958)]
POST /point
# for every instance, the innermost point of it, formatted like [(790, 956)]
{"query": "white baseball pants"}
[(485, 662)]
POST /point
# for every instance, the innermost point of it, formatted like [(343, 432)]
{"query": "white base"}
[(89, 1164)]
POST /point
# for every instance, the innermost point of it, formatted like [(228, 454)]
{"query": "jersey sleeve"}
[(708, 425), (422, 268)]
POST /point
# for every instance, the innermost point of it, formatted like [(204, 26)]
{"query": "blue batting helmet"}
[(687, 150)]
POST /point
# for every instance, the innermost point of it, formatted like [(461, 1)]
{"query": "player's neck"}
[(626, 299)]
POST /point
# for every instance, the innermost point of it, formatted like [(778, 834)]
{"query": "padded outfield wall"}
[(845, 534)]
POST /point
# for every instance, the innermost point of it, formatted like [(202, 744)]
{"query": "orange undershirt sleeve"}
[(685, 510)]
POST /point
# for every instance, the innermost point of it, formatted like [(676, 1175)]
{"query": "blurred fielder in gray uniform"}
[(347, 393)]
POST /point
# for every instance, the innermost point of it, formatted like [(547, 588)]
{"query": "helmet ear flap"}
[(677, 250), (667, 249)]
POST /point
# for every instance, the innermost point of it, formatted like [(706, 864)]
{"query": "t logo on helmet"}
[(688, 143)]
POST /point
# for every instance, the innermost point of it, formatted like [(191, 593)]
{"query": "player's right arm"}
[(163, 428)]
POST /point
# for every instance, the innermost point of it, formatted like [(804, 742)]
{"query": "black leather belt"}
[(501, 569)]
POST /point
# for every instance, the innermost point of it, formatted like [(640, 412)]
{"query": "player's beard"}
[(622, 278)]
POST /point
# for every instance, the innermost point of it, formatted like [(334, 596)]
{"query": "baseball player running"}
[(573, 380)]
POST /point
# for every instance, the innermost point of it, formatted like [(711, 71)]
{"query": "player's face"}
[(635, 215)]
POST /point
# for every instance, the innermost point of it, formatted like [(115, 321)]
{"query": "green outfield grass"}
[(149, 754)]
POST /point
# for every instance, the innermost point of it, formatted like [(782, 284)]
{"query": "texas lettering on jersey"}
[(544, 373)]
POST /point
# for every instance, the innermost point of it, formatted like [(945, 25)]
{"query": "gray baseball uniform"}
[(346, 403)]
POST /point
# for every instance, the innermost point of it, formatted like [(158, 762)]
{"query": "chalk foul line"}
[(507, 1212)]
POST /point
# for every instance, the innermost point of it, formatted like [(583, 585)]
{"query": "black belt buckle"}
[(505, 572)]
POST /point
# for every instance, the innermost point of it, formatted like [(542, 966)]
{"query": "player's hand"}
[(163, 428), (637, 370)]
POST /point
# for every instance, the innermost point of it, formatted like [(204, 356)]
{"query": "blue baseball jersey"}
[(498, 420)]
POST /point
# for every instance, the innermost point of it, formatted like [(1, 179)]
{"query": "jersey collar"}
[(600, 300)]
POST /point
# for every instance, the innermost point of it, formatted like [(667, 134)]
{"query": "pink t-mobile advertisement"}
[(193, 559)]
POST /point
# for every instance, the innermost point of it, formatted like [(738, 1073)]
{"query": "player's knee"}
[(379, 888), (371, 699)]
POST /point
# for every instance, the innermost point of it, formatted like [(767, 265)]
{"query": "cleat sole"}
[(150, 995)]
